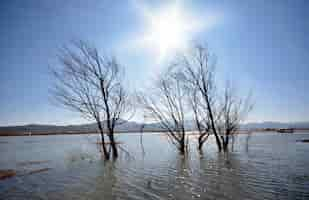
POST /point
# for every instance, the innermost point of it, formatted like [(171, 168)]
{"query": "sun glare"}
[(168, 30), (170, 27)]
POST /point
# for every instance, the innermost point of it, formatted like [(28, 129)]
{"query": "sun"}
[(168, 30), (169, 27)]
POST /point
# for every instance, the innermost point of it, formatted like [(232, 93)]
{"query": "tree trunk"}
[(213, 126), (110, 125), (182, 147), (113, 144), (200, 144), (226, 143), (106, 154)]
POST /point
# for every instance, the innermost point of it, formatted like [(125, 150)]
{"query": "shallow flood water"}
[(260, 166)]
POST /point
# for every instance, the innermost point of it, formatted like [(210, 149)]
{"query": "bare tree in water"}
[(201, 121), (92, 85), (211, 115), (233, 111), (198, 70), (165, 104)]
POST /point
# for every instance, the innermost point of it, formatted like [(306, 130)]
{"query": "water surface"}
[(260, 166)]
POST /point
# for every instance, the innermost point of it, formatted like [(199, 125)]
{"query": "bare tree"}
[(93, 86), (233, 111), (221, 118), (198, 70), (165, 104), (201, 121)]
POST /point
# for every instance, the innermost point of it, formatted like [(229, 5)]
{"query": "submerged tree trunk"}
[(200, 144), (213, 125), (182, 148), (226, 143), (201, 140), (105, 152), (113, 144)]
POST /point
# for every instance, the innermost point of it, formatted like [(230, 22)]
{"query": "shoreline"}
[(190, 132)]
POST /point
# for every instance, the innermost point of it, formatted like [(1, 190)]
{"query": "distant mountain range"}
[(129, 126), (124, 126)]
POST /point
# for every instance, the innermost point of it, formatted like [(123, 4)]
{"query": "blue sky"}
[(262, 46)]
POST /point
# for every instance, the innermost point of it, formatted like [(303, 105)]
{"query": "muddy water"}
[(260, 166)]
